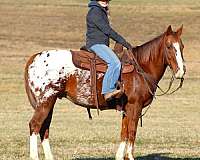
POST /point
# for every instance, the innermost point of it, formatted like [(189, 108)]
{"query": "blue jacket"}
[(99, 30)]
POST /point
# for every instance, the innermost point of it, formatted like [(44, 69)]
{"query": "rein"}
[(140, 70), (170, 85), (147, 78)]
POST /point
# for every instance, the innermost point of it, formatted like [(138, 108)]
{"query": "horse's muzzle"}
[(180, 73)]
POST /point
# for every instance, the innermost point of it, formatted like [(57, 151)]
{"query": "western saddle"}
[(88, 60)]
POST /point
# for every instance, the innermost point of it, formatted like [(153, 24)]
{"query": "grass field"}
[(172, 125)]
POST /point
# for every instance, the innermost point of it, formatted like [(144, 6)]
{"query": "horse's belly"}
[(78, 87), (79, 90)]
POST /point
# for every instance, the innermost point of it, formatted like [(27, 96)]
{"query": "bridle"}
[(148, 78), (172, 77)]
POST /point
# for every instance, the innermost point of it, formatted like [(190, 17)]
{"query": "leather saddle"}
[(84, 57), (88, 60)]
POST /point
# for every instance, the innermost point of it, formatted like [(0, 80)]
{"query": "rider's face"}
[(103, 3)]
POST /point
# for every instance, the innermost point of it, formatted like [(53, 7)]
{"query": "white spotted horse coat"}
[(49, 71)]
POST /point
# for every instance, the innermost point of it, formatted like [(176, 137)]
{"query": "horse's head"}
[(174, 51)]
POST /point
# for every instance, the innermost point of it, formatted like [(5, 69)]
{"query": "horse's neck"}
[(150, 56)]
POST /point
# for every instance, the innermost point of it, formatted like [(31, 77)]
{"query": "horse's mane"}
[(148, 51)]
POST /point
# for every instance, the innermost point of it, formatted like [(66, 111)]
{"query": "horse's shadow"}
[(156, 156)]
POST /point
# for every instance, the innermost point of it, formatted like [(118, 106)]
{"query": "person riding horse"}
[(98, 34)]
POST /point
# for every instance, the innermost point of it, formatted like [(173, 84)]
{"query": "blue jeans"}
[(114, 66)]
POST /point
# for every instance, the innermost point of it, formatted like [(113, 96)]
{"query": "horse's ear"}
[(169, 30), (179, 31)]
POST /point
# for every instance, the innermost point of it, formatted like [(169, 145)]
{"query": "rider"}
[(98, 34)]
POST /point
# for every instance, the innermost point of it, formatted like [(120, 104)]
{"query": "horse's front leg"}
[(124, 136), (133, 113)]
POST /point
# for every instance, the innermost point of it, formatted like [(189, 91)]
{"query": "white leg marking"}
[(130, 151), (33, 147), (47, 149), (121, 151), (179, 60)]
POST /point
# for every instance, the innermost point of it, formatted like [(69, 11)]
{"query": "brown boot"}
[(110, 95)]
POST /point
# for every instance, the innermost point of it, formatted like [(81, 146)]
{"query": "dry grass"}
[(171, 127)]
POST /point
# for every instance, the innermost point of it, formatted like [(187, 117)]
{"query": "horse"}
[(51, 74)]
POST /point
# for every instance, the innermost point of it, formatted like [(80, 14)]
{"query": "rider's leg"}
[(114, 66)]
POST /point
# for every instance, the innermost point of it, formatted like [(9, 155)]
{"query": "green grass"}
[(171, 126)]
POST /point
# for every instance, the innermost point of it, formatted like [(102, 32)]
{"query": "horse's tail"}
[(29, 92)]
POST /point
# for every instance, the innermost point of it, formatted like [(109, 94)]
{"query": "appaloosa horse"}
[(51, 74)]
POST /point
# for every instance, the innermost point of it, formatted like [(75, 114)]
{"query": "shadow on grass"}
[(162, 156), (156, 156)]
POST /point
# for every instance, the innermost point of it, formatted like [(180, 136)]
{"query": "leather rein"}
[(148, 78), (169, 87)]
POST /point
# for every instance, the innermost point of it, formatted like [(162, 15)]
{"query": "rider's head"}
[(103, 3)]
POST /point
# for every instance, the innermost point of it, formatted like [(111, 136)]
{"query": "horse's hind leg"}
[(44, 136), (41, 114)]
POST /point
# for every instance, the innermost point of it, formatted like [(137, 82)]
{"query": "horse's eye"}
[(169, 46)]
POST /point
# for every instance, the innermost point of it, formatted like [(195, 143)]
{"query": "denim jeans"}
[(114, 66)]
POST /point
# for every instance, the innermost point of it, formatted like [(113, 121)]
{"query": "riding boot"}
[(110, 95)]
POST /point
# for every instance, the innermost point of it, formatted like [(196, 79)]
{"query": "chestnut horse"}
[(51, 74)]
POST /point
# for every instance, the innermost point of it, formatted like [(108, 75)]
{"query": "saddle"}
[(85, 59), (88, 60)]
